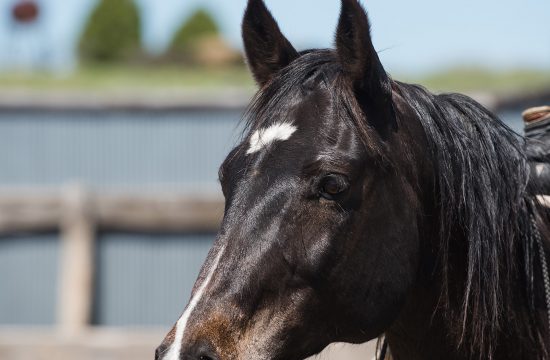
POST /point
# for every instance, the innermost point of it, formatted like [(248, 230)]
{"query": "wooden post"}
[(77, 262)]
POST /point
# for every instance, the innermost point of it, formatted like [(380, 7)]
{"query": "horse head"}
[(319, 240)]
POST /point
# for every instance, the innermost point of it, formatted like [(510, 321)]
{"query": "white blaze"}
[(263, 137), (175, 348), (544, 200)]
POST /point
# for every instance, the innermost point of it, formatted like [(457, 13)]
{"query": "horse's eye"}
[(333, 185)]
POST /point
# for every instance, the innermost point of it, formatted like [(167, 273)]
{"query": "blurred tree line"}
[(113, 35)]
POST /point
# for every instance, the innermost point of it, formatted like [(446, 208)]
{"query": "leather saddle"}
[(537, 134)]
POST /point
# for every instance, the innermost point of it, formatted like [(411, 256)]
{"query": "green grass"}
[(155, 77), (131, 78), (482, 80)]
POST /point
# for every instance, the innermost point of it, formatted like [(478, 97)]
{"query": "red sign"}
[(25, 11)]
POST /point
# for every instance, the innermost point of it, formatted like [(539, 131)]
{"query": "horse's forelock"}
[(304, 74)]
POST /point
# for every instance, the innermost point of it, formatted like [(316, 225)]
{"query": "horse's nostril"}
[(201, 350)]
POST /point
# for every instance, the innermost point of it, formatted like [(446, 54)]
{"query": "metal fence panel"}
[(145, 280), (28, 279), (161, 149)]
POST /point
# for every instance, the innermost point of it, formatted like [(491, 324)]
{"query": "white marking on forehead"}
[(539, 168), (175, 348), (544, 200), (263, 137)]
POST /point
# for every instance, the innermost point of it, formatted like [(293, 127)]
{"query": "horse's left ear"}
[(363, 67)]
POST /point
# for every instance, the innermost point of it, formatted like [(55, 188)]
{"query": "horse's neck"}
[(421, 334), (418, 333)]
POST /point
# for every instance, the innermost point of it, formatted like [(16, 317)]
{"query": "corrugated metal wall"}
[(179, 150), (141, 279), (28, 280), (146, 279)]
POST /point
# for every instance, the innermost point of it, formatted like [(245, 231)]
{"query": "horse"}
[(356, 206)]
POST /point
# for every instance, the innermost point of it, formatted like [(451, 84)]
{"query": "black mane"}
[(485, 209)]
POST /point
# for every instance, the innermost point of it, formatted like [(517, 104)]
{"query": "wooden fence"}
[(78, 214)]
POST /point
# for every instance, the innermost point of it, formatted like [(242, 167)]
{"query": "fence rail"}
[(35, 211), (79, 214)]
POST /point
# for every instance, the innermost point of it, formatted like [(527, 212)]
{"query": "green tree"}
[(112, 33), (199, 27)]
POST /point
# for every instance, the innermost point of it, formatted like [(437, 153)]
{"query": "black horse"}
[(356, 206)]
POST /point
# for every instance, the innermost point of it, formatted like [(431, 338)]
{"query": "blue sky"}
[(412, 36), (419, 35)]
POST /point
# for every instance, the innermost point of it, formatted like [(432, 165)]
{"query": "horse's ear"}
[(267, 50), (363, 67)]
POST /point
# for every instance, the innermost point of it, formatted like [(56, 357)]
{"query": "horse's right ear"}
[(267, 50)]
